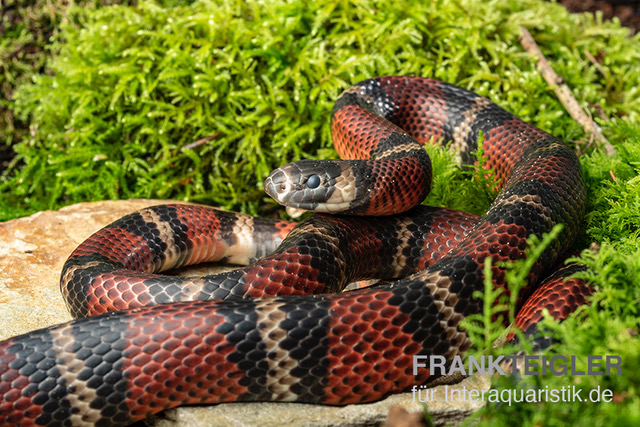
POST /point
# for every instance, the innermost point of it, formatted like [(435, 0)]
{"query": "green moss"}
[(26, 27), (131, 87), (610, 324), (614, 189), (200, 101)]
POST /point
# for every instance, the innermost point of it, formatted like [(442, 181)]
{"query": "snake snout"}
[(277, 185), (305, 184)]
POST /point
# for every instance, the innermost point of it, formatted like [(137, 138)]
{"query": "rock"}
[(32, 252), (399, 417), (305, 415)]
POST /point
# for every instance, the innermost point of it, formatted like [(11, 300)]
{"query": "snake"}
[(279, 328)]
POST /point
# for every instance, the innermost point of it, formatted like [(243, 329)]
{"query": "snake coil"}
[(335, 348)]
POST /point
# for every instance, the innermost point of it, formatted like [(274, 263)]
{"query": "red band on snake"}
[(335, 348)]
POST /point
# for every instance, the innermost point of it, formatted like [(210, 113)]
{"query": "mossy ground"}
[(200, 100)]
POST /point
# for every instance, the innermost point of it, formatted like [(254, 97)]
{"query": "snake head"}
[(311, 185)]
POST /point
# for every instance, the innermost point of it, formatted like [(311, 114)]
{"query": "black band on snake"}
[(335, 348)]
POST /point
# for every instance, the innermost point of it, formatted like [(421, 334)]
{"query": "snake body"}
[(335, 348)]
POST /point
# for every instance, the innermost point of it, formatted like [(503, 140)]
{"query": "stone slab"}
[(32, 253)]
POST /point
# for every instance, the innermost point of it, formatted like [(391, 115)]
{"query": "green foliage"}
[(451, 186), (486, 327), (611, 323), (518, 271), (608, 326), (200, 100), (23, 34), (614, 192), (470, 188), (25, 29), (131, 88)]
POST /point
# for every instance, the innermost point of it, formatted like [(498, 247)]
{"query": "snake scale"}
[(215, 345)]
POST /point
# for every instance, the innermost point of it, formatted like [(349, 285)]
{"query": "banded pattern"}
[(116, 268), (100, 277), (337, 348), (560, 294)]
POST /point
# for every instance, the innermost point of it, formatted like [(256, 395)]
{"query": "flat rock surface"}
[(32, 252)]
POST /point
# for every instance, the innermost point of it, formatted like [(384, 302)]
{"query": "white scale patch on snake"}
[(79, 394), (345, 191), (279, 379), (531, 200), (405, 236), (463, 131), (191, 289), (361, 92), (68, 275), (379, 105), (446, 301), (245, 247), (172, 255), (404, 149)]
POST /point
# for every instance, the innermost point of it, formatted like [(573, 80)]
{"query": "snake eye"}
[(313, 181)]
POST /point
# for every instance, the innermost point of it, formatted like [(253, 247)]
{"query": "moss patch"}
[(129, 91), (199, 101)]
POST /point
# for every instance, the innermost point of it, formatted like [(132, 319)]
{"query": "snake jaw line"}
[(326, 186), (334, 349)]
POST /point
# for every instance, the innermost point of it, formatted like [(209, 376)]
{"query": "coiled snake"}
[(335, 348)]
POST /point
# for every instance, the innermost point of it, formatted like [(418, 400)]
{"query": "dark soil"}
[(628, 11)]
